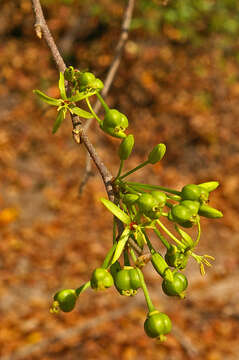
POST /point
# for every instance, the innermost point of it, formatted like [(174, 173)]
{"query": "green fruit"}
[(191, 205), (157, 324), (126, 147), (114, 123), (101, 279), (86, 79), (146, 202), (115, 118), (191, 192), (116, 132), (66, 299), (127, 281), (209, 212), (175, 287), (181, 213), (157, 153), (160, 197)]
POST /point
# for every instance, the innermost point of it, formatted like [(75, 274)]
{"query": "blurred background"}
[(178, 83)]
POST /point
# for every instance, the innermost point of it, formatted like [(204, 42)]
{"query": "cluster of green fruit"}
[(138, 208)]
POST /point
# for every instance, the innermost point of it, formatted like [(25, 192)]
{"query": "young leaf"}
[(116, 211), (121, 244), (82, 113), (62, 86), (81, 95), (49, 100), (58, 121)]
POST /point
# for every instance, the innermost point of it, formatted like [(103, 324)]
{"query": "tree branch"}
[(78, 134), (42, 28)]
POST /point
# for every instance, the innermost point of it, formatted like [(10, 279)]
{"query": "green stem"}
[(199, 232), (135, 169), (143, 285), (170, 234), (103, 103), (162, 238), (174, 197), (169, 205), (92, 111), (132, 190), (126, 258), (150, 246), (120, 168), (114, 229), (82, 288), (153, 187), (108, 257)]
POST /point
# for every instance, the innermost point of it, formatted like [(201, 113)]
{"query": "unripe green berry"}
[(126, 147), (157, 153), (101, 279), (66, 299)]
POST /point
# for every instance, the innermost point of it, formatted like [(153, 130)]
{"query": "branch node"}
[(76, 133), (38, 30)]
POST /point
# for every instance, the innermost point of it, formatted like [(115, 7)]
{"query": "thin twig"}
[(79, 135), (42, 28), (106, 175)]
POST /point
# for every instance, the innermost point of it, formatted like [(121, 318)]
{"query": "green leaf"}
[(121, 244), (80, 112), (81, 95), (114, 209), (58, 121), (49, 100), (62, 86)]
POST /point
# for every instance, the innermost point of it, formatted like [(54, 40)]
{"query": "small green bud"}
[(126, 147), (69, 73), (209, 186), (130, 199), (209, 212), (157, 153), (159, 264), (175, 258)]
